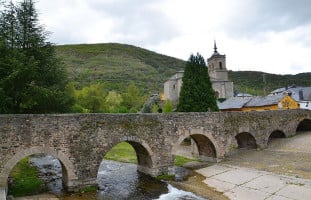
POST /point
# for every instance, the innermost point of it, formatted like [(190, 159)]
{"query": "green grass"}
[(122, 152), (88, 189), (180, 161), (25, 181)]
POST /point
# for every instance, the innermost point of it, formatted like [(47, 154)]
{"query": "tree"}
[(131, 99), (168, 106), (113, 102), (197, 94), (31, 77), (90, 99)]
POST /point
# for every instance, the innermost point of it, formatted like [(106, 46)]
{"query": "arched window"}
[(220, 65)]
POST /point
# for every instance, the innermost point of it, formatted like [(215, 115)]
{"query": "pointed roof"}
[(215, 54), (215, 49)]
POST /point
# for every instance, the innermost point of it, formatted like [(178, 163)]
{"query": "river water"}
[(116, 181)]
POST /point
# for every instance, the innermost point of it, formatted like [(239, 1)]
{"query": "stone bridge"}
[(80, 141)]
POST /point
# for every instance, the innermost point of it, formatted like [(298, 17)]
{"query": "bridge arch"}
[(67, 168), (145, 160), (246, 140), (304, 125), (274, 135), (207, 147)]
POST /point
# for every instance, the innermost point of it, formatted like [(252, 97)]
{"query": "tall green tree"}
[(197, 94), (32, 78)]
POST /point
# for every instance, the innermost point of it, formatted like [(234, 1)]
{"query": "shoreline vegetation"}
[(24, 179)]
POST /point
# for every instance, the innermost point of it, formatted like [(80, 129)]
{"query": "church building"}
[(218, 74)]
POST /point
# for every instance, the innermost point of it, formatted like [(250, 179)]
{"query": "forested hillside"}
[(117, 65), (255, 82)]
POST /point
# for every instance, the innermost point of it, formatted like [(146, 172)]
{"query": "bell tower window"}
[(220, 65)]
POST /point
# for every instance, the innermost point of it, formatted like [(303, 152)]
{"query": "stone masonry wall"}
[(80, 141)]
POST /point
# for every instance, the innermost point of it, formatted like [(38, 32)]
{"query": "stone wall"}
[(80, 141)]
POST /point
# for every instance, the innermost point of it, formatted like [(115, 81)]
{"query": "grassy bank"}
[(124, 152), (25, 179)]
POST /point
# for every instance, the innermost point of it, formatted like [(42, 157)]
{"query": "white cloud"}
[(270, 36)]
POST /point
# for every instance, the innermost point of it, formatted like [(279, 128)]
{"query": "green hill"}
[(118, 64), (253, 82)]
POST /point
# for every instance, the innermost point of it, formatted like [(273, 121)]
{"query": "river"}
[(116, 181)]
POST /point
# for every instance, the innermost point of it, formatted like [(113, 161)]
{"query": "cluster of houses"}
[(283, 98)]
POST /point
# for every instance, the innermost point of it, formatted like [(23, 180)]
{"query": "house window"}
[(220, 65)]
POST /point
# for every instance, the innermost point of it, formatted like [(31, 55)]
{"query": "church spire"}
[(215, 47)]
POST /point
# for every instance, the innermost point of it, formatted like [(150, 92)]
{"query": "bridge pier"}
[(156, 171), (76, 185)]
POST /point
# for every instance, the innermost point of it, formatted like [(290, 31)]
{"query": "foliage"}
[(180, 160), (122, 152), (32, 80), (113, 102), (151, 105), (253, 82), (90, 99), (131, 99), (118, 65), (197, 94), (25, 179), (155, 108), (88, 189), (96, 99), (168, 106)]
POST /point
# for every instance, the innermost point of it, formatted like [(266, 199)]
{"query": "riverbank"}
[(195, 184)]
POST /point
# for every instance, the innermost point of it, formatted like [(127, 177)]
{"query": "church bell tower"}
[(217, 66)]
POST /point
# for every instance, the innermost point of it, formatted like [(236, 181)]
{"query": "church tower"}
[(217, 66), (218, 73)]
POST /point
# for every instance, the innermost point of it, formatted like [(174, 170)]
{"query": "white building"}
[(218, 73)]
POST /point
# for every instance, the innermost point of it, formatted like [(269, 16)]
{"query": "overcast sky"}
[(273, 36)]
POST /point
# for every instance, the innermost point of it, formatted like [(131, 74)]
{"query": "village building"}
[(218, 74), (259, 103), (301, 94)]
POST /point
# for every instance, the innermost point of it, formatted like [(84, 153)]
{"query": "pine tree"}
[(197, 94), (32, 78)]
